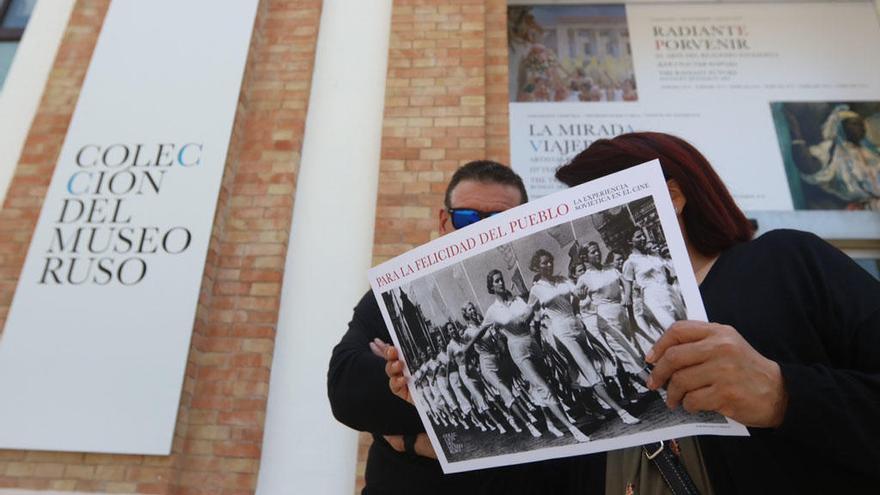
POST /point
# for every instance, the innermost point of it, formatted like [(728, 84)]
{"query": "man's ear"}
[(678, 198), (445, 225)]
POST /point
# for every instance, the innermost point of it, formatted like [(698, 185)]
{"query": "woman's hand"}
[(394, 370), (421, 447), (710, 367)]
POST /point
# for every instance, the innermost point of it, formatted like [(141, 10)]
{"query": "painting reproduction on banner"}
[(831, 152), (570, 53)]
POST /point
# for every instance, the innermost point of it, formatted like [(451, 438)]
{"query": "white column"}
[(23, 89), (304, 449)]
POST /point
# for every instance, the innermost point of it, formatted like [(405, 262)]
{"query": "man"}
[(400, 459)]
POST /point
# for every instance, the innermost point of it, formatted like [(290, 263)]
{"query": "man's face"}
[(482, 196)]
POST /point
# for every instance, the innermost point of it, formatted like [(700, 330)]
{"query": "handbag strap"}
[(673, 472)]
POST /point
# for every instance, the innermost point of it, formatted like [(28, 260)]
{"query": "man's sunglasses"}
[(462, 217)]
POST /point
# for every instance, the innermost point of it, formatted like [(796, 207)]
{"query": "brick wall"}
[(445, 104), (219, 430)]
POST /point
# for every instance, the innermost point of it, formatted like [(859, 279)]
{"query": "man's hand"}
[(378, 346), (394, 370), (422, 446), (710, 367)]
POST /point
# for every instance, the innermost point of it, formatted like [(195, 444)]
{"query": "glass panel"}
[(18, 14), (7, 51)]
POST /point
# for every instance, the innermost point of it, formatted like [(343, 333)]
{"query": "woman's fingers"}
[(702, 399), (677, 358), (687, 380), (679, 332)]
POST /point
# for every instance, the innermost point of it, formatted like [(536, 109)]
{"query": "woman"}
[(513, 318), (556, 295), (465, 401), (458, 349), (606, 317), (440, 366), (792, 349), (650, 273), (608, 363), (489, 352)]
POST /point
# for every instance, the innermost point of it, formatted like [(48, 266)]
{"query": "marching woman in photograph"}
[(513, 318), (465, 403), (650, 272), (556, 296), (489, 352), (425, 378), (459, 351), (440, 365), (791, 348), (606, 360), (600, 284)]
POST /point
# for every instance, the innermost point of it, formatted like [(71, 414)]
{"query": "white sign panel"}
[(782, 98), (95, 345), (537, 309)]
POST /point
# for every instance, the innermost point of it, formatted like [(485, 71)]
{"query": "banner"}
[(95, 345), (782, 98)]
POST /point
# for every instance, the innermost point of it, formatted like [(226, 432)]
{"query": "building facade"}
[(255, 372)]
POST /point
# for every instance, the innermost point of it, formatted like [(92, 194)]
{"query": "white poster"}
[(94, 349), (524, 335), (782, 98)]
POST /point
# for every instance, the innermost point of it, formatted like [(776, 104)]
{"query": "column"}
[(330, 248)]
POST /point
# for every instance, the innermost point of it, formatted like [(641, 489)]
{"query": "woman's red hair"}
[(711, 218)]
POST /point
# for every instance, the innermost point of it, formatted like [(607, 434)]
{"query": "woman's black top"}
[(804, 304)]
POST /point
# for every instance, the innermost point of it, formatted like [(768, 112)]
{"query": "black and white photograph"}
[(540, 342)]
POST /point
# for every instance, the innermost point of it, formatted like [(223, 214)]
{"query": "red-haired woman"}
[(792, 349)]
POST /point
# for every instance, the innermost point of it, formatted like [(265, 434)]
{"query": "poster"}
[(524, 335), (722, 76)]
